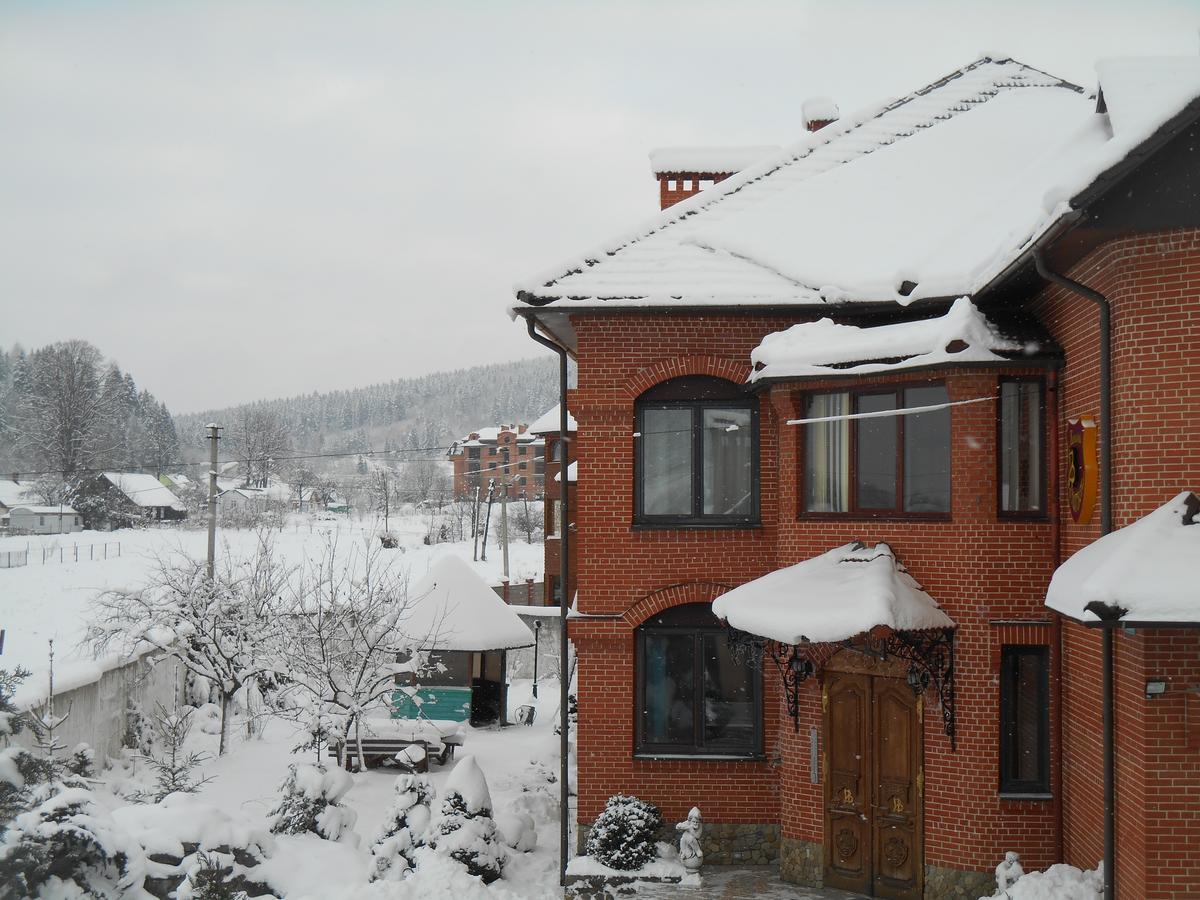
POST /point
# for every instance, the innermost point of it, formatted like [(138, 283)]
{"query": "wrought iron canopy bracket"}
[(929, 654)]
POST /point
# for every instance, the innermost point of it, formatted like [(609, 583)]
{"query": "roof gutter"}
[(1109, 617), (564, 644)]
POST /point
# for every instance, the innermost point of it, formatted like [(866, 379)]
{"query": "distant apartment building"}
[(507, 454)]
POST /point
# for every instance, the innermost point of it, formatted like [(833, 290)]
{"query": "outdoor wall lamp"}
[(1155, 689)]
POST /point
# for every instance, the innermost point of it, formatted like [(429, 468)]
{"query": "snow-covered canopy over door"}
[(836, 596), (454, 609), (1144, 573)]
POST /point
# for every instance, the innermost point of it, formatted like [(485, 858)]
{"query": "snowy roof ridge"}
[(825, 347), (144, 490), (550, 421), (1010, 75)]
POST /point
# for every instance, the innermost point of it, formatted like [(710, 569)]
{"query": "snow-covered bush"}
[(311, 803), (173, 768), (623, 835), (66, 843), (81, 762), (517, 830), (20, 772), (207, 879), (12, 719), (1059, 882), (466, 832), (404, 830)]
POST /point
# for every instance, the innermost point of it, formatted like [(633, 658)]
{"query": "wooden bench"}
[(376, 749)]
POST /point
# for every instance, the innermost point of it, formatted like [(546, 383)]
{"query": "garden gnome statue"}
[(690, 853), (1008, 871)]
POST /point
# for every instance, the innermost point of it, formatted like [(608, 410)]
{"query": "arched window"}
[(697, 454), (693, 698)]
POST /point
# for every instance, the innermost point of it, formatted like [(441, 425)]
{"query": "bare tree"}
[(222, 630), (259, 437), (344, 641)]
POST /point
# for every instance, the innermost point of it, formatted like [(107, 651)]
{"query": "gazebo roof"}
[(457, 610)]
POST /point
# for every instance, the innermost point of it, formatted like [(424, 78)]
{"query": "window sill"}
[(694, 526), (874, 517), (1018, 795), (700, 757), (1042, 518)]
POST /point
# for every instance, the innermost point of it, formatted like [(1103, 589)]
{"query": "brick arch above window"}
[(673, 595), (733, 370)]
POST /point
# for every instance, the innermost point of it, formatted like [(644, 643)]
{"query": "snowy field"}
[(39, 602)]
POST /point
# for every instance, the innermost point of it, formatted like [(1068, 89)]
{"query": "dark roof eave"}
[(1038, 362), (608, 307)]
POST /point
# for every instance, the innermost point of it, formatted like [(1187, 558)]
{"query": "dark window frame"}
[(1010, 654), (680, 393), (695, 619), (1039, 515), (853, 511)]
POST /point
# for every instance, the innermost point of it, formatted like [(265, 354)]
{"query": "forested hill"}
[(429, 411)]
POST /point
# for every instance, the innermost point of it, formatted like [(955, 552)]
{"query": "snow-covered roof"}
[(708, 160), (824, 347), (572, 473), (549, 422), (12, 492), (932, 195), (144, 490), (45, 510), (491, 435), (453, 608), (1148, 569), (837, 595)]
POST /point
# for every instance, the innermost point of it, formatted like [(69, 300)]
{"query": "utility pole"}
[(504, 482), (475, 524), (488, 520), (214, 435)]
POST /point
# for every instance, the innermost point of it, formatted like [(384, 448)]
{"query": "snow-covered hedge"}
[(623, 835)]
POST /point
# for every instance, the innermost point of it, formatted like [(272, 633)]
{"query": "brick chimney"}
[(818, 112), (683, 172)]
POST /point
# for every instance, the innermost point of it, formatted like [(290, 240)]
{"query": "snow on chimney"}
[(818, 112), (685, 171)]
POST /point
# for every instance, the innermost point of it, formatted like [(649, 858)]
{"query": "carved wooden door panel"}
[(873, 786), (847, 702), (896, 839)]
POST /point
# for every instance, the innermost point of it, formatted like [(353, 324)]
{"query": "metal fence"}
[(10, 559)]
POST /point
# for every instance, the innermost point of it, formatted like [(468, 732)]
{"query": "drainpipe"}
[(1106, 652), (564, 603), (1056, 693)]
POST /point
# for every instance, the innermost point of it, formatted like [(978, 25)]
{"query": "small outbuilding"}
[(468, 631), (143, 493), (44, 520)]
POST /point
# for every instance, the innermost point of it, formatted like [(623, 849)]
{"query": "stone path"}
[(734, 883)]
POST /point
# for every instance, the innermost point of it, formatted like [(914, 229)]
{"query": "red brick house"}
[(505, 451), (547, 428), (841, 416)]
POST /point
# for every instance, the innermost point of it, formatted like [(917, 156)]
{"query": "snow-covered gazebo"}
[(468, 629), (854, 596)]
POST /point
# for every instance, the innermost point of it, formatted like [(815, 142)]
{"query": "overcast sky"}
[(250, 200)]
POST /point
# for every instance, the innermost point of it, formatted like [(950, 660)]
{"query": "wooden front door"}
[(873, 786)]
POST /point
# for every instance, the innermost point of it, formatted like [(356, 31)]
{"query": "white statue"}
[(690, 853), (1008, 871)]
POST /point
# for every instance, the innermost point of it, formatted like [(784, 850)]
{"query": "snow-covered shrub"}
[(12, 719), (82, 761), (67, 842), (466, 832), (517, 830), (404, 830), (207, 879), (310, 803), (623, 835), (20, 773), (173, 768)]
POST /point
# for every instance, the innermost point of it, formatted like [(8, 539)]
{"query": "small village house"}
[(139, 495), (842, 415), (43, 520)]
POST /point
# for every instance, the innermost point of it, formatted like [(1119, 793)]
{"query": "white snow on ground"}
[(831, 597), (516, 762), (1147, 568), (39, 601), (1059, 882)]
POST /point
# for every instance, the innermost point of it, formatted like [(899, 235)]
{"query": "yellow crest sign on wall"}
[(1083, 468)]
